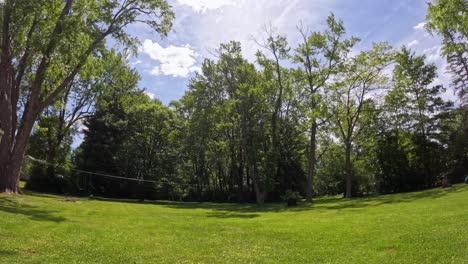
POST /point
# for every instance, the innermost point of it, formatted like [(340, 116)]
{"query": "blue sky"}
[(166, 65)]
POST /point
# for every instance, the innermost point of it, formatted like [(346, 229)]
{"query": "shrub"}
[(291, 197)]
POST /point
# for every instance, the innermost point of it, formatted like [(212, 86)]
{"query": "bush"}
[(466, 179), (291, 197)]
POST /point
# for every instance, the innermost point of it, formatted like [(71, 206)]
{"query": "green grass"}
[(421, 227)]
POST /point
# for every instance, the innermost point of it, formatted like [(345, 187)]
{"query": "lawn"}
[(420, 227)]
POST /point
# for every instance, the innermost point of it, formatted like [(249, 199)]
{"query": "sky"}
[(167, 64)]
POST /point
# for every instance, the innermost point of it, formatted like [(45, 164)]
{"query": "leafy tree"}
[(106, 128), (320, 55), (51, 139), (350, 98), (453, 136), (224, 107), (278, 48), (448, 18), (132, 138), (44, 46), (415, 115)]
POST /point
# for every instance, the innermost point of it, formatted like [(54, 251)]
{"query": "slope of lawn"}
[(421, 227)]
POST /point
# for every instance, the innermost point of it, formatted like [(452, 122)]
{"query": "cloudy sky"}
[(166, 65)]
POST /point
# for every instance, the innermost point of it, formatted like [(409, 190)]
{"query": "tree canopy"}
[(315, 118)]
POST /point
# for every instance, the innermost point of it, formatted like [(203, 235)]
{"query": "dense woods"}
[(315, 118)]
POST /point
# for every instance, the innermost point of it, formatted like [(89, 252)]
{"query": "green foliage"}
[(46, 46), (352, 105), (133, 137), (321, 56), (410, 150), (448, 18), (313, 119), (291, 198)]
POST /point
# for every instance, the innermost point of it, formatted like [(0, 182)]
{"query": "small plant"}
[(291, 197)]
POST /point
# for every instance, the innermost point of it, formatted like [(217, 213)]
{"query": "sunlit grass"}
[(421, 227)]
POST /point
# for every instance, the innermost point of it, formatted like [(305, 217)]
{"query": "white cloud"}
[(150, 94), (244, 21), (201, 6), (420, 26), (434, 53), (173, 60), (134, 63), (413, 43)]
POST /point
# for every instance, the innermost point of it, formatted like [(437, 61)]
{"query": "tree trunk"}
[(13, 147), (250, 160), (348, 172), (312, 163), (260, 194), (9, 174)]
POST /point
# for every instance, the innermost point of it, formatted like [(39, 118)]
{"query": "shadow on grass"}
[(219, 210), (227, 214), (372, 201), (34, 213), (7, 253), (40, 194), (249, 211)]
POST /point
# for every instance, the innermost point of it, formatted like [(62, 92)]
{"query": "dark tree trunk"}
[(9, 176), (348, 170), (258, 185), (10, 167), (250, 160), (260, 194), (312, 163)]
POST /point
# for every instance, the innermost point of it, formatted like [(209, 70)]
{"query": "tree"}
[(44, 45), (320, 54), (449, 19), (148, 150), (351, 96), (226, 109), (277, 46), (421, 112), (106, 128), (52, 137)]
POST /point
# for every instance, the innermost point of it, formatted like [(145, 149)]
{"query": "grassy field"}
[(420, 227)]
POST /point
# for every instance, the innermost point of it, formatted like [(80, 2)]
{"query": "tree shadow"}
[(34, 213), (7, 253), (219, 210), (372, 201), (249, 211), (226, 214), (39, 194)]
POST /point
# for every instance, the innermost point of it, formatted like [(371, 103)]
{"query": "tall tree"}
[(351, 96), (44, 45), (105, 129), (423, 110), (58, 123), (449, 19), (320, 54), (278, 49), (229, 109)]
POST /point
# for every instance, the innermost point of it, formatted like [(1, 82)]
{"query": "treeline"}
[(316, 118)]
